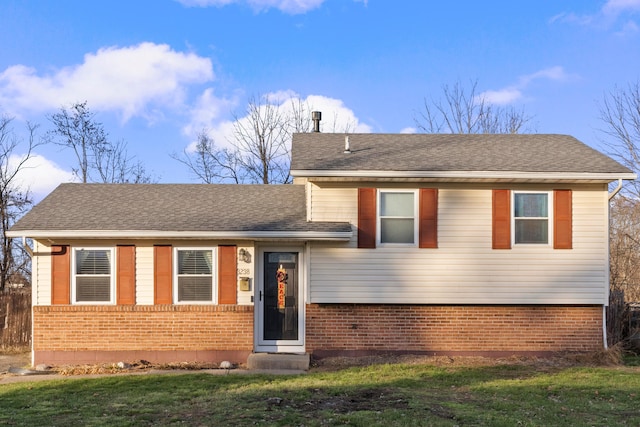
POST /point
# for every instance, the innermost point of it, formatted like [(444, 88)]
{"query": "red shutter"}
[(366, 217), (501, 238), (428, 218), (60, 274), (562, 221), (126, 275), (227, 267), (162, 274)]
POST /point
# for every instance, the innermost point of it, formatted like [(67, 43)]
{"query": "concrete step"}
[(278, 361)]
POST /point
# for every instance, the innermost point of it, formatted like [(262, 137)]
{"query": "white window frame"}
[(379, 217), (112, 284), (214, 274), (549, 218)]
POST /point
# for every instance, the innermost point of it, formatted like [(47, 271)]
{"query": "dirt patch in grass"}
[(610, 357), (372, 399), (14, 359)]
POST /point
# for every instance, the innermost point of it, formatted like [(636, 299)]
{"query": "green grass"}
[(377, 395)]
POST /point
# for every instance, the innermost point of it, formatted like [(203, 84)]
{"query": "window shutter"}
[(366, 217), (60, 274), (501, 226), (562, 219), (162, 274), (227, 267), (428, 218), (126, 275)]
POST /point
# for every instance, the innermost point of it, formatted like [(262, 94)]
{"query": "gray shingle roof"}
[(449, 152), (175, 207)]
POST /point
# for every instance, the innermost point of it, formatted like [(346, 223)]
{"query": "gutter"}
[(153, 234), (546, 176)]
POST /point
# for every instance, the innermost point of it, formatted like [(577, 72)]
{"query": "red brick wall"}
[(164, 333), (491, 330)]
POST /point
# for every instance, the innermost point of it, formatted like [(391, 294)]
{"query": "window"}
[(397, 217), (531, 217), (194, 271), (93, 275)]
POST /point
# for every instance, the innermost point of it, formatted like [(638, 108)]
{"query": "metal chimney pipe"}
[(316, 116)]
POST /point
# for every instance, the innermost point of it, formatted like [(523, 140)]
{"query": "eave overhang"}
[(461, 176), (183, 235)]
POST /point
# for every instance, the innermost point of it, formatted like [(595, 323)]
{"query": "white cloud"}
[(504, 96), (291, 7), (514, 93), (608, 16), (131, 81), (39, 175), (336, 117), (205, 111), (615, 7)]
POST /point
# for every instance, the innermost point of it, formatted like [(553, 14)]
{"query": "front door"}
[(279, 326)]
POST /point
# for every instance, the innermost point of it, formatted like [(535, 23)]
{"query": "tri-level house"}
[(384, 243)]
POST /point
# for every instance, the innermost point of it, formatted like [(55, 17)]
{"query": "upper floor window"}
[(93, 275), (397, 215), (194, 275), (531, 217)]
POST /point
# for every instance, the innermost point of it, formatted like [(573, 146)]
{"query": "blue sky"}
[(156, 72)]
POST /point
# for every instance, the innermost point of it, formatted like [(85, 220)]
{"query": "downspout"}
[(616, 190), (604, 307), (29, 251), (27, 247)]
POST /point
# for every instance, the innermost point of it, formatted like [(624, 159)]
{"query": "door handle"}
[(260, 296)]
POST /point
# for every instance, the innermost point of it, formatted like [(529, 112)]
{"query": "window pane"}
[(195, 288), (92, 289), (530, 205), (396, 204), (531, 231), (93, 262), (394, 230), (194, 262)]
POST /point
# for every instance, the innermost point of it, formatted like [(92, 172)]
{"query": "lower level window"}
[(93, 275), (194, 280), (531, 218)]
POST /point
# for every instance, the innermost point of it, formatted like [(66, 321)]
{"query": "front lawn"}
[(397, 394)]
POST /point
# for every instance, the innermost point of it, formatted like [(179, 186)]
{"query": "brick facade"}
[(209, 333), (161, 333), (351, 329)]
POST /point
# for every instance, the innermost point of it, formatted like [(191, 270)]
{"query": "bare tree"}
[(620, 114), (14, 199), (98, 159), (260, 142), (114, 165), (211, 164), (624, 245), (257, 152), (466, 111), (77, 129)]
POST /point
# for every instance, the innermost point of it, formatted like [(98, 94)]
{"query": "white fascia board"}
[(152, 234), (498, 175)]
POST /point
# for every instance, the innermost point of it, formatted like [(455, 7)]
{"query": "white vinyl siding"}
[(41, 273), (144, 274), (464, 269)]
